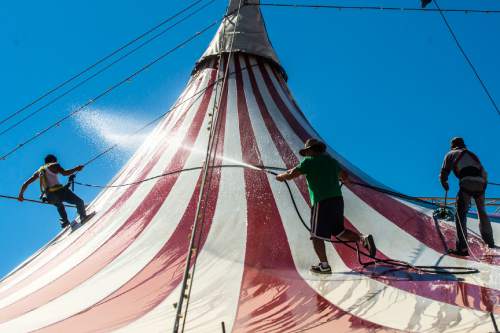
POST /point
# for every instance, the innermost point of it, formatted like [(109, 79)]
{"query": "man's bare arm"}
[(59, 169), (25, 186), (288, 175)]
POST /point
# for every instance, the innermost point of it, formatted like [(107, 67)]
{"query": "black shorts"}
[(327, 218)]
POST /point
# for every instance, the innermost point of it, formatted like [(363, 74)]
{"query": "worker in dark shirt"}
[(472, 181), (322, 173)]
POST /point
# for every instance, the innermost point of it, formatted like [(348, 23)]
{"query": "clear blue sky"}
[(386, 89)]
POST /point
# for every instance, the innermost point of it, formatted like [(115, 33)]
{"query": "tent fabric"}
[(243, 30), (122, 271)]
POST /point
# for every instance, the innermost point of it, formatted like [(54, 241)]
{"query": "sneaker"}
[(369, 245), (64, 223), (461, 253), (320, 269)]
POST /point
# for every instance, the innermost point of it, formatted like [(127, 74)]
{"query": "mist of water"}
[(104, 128)]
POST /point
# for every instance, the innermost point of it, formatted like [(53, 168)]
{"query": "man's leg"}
[(484, 221), (367, 241), (55, 199), (72, 198), (346, 235), (319, 248), (349, 236), (318, 235), (463, 202), (62, 211)]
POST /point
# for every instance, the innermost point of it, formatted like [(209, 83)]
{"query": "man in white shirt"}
[(56, 193)]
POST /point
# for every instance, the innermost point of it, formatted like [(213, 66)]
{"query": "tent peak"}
[(244, 31)]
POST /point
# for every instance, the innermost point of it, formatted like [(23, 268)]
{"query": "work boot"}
[(64, 223), (321, 269), (460, 253), (369, 245), (84, 219)]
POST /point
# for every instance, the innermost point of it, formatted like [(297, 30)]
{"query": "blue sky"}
[(386, 89)]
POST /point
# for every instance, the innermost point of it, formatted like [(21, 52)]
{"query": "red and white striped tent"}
[(249, 269)]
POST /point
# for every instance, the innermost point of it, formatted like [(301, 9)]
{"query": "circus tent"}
[(216, 244)]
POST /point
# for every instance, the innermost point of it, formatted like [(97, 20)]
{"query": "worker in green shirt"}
[(327, 214)]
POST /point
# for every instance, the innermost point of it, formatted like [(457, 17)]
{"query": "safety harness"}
[(470, 172), (44, 187)]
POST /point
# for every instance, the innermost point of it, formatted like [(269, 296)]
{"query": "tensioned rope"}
[(376, 8), (104, 69), (196, 95), (109, 90), (272, 170), (10, 197), (429, 269), (375, 188), (453, 270), (466, 57), (100, 61)]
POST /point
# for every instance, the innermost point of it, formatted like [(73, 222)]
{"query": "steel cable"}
[(98, 62), (107, 91), (376, 8), (102, 70)]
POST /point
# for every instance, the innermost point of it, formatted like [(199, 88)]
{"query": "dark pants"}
[(463, 204), (65, 195)]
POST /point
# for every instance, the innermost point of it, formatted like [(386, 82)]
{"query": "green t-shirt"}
[(322, 175)]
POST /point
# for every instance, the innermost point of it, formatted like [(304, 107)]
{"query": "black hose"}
[(429, 269)]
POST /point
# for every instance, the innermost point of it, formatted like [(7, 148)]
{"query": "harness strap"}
[(44, 188), (54, 188), (467, 171)]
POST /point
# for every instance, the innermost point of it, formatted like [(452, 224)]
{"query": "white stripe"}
[(384, 308), (138, 160), (109, 229), (110, 278), (364, 297), (129, 263), (292, 139), (112, 222), (309, 129), (485, 279), (219, 269), (398, 244), (472, 223)]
